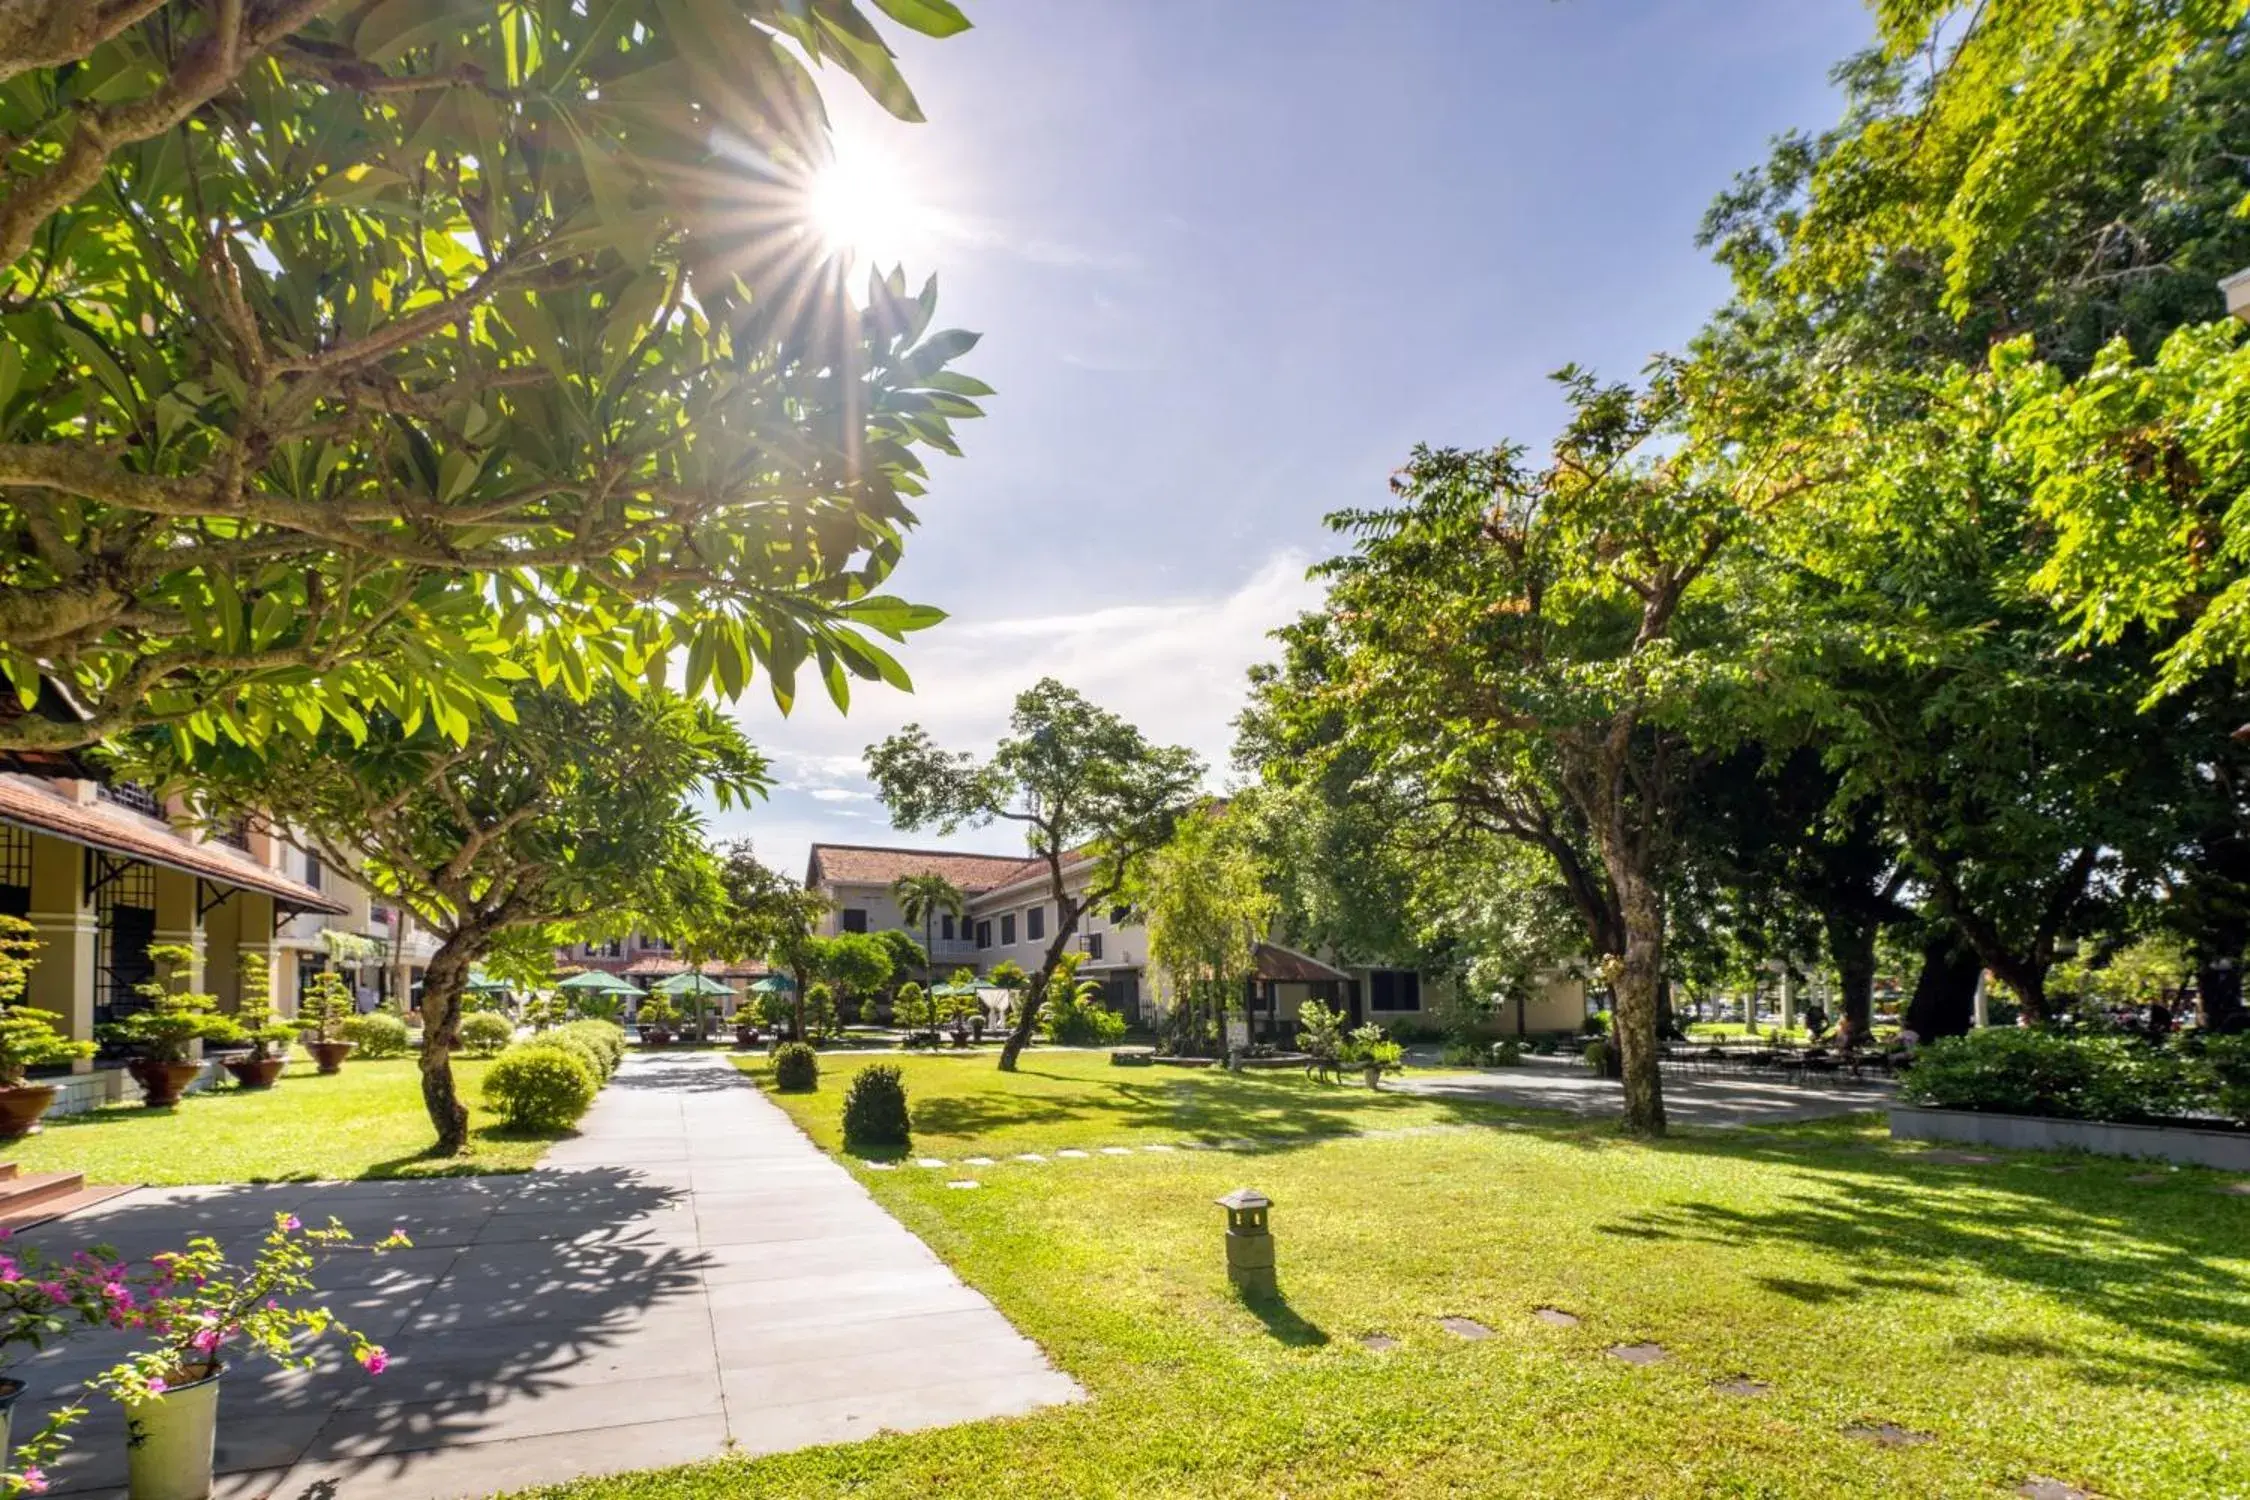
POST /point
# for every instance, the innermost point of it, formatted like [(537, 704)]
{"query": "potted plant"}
[(28, 1038), (164, 1031), (657, 1017), (1375, 1053), (253, 1025), (747, 1028), (202, 1309), (326, 1007), (43, 1301)]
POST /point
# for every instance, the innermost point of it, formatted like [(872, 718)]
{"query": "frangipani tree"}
[(560, 811), (365, 358), (1082, 783)]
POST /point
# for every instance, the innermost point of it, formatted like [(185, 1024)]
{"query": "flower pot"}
[(20, 1109), (656, 1036), (1374, 1077), (255, 1072), (164, 1082), (169, 1440), (746, 1036), (330, 1055), (9, 1390)]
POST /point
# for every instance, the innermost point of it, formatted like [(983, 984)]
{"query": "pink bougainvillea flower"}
[(156, 1385), (292, 1223), (33, 1479), (376, 1360)]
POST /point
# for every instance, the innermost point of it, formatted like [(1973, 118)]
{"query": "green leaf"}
[(929, 17)]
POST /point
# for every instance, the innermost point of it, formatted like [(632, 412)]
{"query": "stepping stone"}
[(2150, 1177), (1072, 1155), (1160, 1148), (1117, 1151), (1888, 1435), (928, 1161), (1032, 1157), (2239, 1189), (976, 1161), (1740, 1385), (1238, 1145), (1379, 1342), (1468, 1328), (1956, 1158), (1639, 1354), (880, 1166), (2036, 1488), (964, 1182), (1555, 1317)]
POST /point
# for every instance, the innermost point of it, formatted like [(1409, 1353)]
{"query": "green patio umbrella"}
[(485, 984), (598, 982), (772, 984), (692, 984)]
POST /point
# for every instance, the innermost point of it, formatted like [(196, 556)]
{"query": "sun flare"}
[(860, 207)]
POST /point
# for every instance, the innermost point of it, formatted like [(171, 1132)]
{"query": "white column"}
[(1788, 997), (1978, 1018)]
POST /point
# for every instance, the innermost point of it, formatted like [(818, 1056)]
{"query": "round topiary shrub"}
[(605, 1038), (585, 1051), (796, 1068), (485, 1032), (539, 1086), (875, 1107), (376, 1035)]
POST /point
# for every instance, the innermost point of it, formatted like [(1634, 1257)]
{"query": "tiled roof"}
[(860, 864), (1288, 966), (44, 807)]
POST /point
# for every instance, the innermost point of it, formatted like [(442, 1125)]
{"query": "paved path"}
[(1721, 1100), (688, 1272)]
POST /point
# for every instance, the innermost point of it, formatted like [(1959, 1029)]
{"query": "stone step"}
[(24, 1198), (8, 1170), (42, 1211)]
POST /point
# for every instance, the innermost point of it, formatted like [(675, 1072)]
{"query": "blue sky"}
[(1231, 260)]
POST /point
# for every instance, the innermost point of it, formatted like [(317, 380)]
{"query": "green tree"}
[(563, 809), (343, 348), (765, 916), (922, 899), (855, 964), (1206, 905), (1087, 788), (1533, 646), (907, 956)]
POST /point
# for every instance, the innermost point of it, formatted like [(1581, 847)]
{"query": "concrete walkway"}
[(1722, 1100), (688, 1273)]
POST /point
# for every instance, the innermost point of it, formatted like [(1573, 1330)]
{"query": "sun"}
[(862, 209)]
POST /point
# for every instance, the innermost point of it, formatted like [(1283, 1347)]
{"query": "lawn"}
[(2032, 1317), (366, 1121)]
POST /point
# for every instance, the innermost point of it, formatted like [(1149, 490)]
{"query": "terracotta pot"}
[(170, 1440), (255, 1072), (330, 1055), (656, 1036), (20, 1109), (746, 1036), (164, 1082)]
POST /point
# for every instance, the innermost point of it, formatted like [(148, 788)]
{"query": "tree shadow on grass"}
[(2161, 1263)]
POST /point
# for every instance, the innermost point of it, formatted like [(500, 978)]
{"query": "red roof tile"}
[(44, 807), (861, 864), (1288, 966)]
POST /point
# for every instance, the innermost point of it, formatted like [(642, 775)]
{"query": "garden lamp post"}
[(1249, 1242)]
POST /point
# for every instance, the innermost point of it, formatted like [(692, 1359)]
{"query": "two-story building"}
[(1010, 913)]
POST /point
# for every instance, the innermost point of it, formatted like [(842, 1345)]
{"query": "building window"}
[(945, 929), (984, 934), (855, 919), (15, 871), (312, 869), (655, 945), (124, 926), (1007, 929), (1093, 941), (1394, 989), (1035, 923), (133, 795), (235, 834), (614, 948)]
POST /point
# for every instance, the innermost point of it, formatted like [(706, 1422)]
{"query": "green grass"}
[(366, 1121), (2068, 1324)]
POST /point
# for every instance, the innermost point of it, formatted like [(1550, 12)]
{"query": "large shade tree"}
[(1088, 789), (561, 810), (345, 347), (764, 916)]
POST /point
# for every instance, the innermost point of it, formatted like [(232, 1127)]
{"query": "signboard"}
[(1238, 1035)]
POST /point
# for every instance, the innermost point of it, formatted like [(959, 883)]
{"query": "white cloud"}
[(1174, 668)]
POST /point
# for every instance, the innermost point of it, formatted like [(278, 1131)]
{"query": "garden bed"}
[(2220, 1147)]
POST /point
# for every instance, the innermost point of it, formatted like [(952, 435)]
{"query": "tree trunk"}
[(2218, 981), (443, 983), (1945, 991), (1851, 944), (797, 1005), (1640, 974), (1067, 914)]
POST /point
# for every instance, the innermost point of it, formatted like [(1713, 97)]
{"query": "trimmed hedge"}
[(378, 1034), (605, 1039), (796, 1068), (2017, 1071), (875, 1107), (485, 1032), (538, 1085)]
